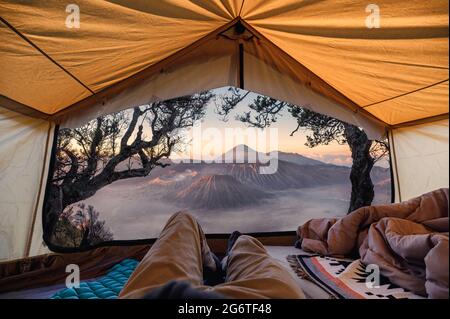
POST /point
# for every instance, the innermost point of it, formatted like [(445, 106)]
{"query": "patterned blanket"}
[(345, 278)]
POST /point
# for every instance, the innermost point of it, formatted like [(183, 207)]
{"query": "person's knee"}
[(182, 220), (183, 214), (246, 240)]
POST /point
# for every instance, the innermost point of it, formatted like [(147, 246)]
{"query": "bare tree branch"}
[(78, 174), (126, 136), (229, 101)]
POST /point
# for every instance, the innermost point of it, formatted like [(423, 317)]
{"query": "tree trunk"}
[(52, 210), (59, 198), (362, 186)]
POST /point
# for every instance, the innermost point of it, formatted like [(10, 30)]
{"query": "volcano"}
[(220, 192)]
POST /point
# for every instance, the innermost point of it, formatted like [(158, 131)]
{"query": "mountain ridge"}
[(242, 153)]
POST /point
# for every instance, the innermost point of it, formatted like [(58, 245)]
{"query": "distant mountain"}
[(245, 154), (219, 192), (294, 171), (226, 186), (298, 159), (240, 154), (380, 174), (288, 175), (381, 178)]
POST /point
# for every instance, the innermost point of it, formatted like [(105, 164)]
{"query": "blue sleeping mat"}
[(106, 287)]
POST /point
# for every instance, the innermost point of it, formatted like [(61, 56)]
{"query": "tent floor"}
[(279, 252)]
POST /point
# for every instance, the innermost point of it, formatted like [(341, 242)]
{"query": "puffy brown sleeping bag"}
[(408, 241)]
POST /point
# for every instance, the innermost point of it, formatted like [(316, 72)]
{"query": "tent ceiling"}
[(397, 73)]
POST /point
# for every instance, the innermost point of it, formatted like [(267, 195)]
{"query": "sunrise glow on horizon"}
[(285, 124)]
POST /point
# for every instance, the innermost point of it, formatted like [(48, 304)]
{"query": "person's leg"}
[(180, 253), (253, 273)]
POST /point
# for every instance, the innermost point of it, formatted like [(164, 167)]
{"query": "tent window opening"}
[(235, 159)]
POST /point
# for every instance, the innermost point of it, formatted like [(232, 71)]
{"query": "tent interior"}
[(383, 70)]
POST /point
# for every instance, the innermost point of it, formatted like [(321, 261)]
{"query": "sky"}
[(217, 141)]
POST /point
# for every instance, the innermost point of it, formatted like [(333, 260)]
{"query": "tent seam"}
[(12, 28), (357, 107), (100, 95), (404, 94), (21, 108), (420, 121), (240, 10)]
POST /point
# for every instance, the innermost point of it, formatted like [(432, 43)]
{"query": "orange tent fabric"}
[(394, 71)]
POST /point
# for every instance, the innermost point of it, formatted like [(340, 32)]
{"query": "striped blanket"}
[(345, 278)]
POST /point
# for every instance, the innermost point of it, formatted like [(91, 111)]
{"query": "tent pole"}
[(393, 155), (241, 66)]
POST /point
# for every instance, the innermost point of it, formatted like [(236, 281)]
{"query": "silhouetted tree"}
[(94, 230), (79, 225), (115, 147), (323, 130)]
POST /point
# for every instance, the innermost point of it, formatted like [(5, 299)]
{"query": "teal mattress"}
[(106, 287)]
